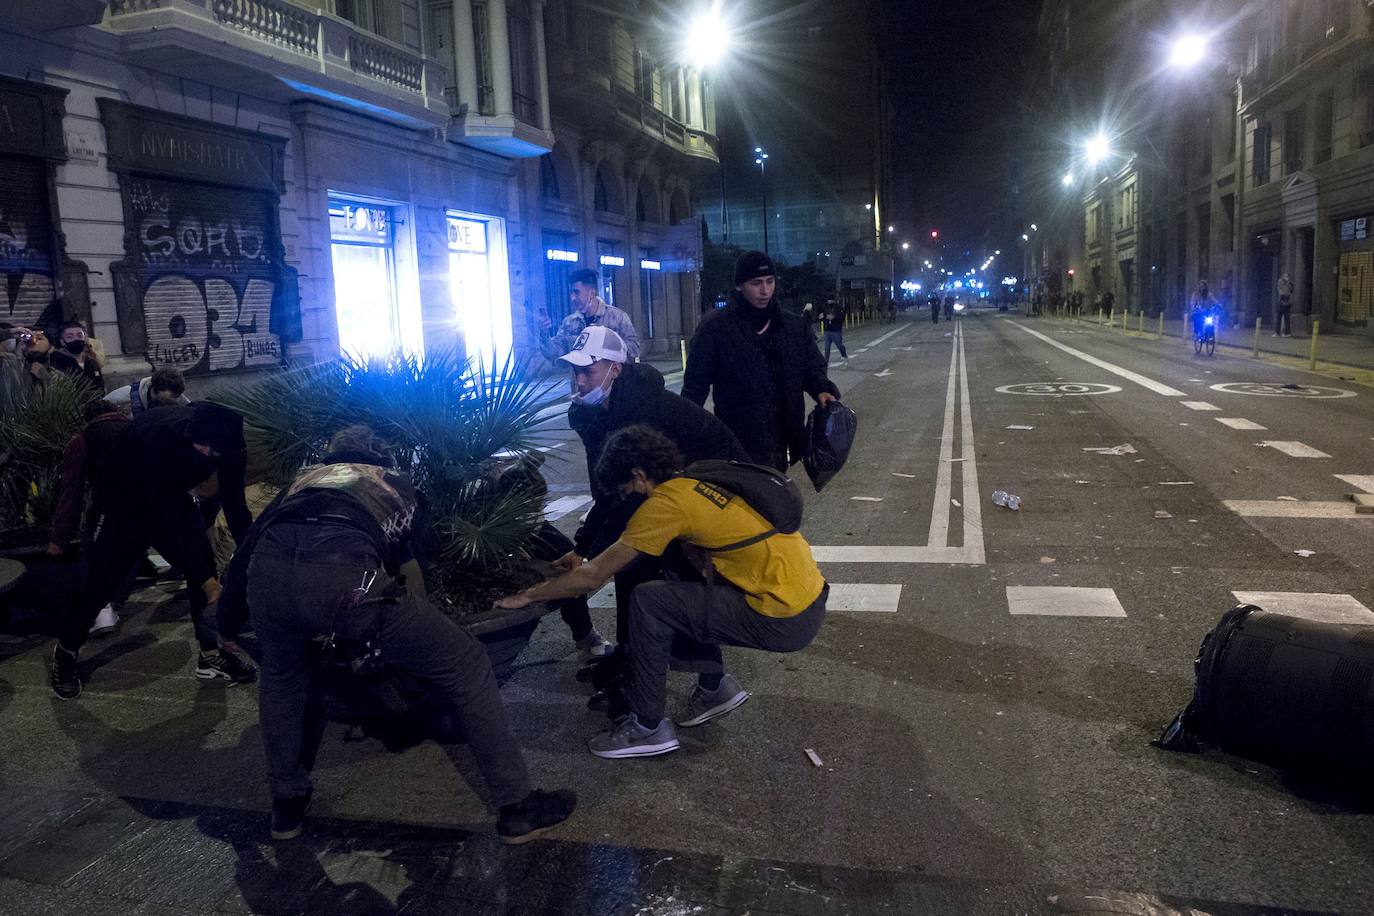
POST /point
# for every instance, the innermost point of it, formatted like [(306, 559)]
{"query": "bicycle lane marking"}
[(1147, 383)]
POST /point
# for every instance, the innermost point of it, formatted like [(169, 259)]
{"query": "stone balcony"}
[(49, 15), (283, 51)]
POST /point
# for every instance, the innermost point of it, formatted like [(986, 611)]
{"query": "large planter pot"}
[(505, 633), (46, 586)]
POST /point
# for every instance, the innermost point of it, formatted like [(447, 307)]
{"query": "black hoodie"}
[(638, 395)]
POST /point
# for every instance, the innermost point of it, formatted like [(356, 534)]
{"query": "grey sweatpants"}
[(710, 615), (297, 579)]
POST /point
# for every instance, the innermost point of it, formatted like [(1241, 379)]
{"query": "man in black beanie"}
[(756, 360), (143, 497)]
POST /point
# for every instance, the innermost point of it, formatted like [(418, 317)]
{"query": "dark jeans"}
[(1283, 322), (934, 314), (836, 338), (122, 536), (299, 578), (548, 545), (709, 616)]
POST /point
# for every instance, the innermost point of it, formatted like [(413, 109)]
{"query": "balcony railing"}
[(320, 45), (657, 124)]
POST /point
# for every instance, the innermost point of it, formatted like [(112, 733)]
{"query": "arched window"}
[(601, 201), (548, 179)]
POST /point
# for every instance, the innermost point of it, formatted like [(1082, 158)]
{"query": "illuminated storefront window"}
[(480, 287), (366, 296)]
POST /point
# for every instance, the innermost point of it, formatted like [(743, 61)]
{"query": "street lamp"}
[(1099, 147), (760, 158), (1067, 180), (1188, 51), (708, 39), (906, 246)]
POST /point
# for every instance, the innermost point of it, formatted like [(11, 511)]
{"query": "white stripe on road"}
[(1282, 508), (564, 505), (938, 535), (941, 554), (1238, 423), (889, 334), (1294, 449), (858, 597), (1316, 606), (973, 507), (1199, 405), (1142, 381), (1358, 481), (1063, 601)]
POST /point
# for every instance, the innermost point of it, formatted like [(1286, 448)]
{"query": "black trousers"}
[(549, 544), (300, 582), (122, 536)]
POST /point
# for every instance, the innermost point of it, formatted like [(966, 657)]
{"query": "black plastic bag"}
[(830, 432)]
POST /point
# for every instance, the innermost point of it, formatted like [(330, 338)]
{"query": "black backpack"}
[(767, 491)]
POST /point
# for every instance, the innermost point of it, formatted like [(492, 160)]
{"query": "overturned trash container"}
[(1284, 690)]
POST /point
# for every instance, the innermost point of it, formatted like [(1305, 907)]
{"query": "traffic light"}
[(935, 233)]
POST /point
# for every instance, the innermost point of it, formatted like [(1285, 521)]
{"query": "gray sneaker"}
[(707, 705), (594, 645), (627, 738)]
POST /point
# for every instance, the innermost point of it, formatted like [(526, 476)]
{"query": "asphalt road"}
[(984, 746)]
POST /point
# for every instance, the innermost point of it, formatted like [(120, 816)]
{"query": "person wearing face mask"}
[(589, 311), (756, 361), (609, 394), (74, 356)]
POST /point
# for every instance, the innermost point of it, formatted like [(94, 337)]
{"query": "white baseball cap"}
[(596, 342)]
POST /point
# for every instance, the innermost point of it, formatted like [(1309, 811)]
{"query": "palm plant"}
[(452, 424), (36, 421)]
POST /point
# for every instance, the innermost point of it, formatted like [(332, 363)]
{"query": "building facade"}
[(242, 186), (1255, 165)]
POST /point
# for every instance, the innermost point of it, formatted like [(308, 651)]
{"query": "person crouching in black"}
[(317, 563)]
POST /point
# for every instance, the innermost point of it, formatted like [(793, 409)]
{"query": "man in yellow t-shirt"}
[(768, 595)]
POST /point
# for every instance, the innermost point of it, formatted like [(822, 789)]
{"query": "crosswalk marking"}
[(1063, 601), (564, 505), (882, 599), (1275, 508), (1199, 405), (1294, 449), (1315, 606), (1363, 482), (1238, 423)]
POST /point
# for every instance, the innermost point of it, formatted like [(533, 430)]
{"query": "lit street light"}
[(1188, 51), (906, 246), (1067, 179), (760, 157), (1098, 148), (708, 39)]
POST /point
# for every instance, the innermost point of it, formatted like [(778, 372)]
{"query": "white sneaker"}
[(106, 622), (594, 645)]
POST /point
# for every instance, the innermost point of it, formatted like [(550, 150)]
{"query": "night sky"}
[(957, 70)]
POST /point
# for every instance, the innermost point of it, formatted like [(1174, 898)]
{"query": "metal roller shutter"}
[(208, 277), (26, 238)]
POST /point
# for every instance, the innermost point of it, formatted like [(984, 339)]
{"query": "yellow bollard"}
[(1312, 357), (1140, 324), (1257, 333), (1161, 325), (1099, 317), (684, 354)]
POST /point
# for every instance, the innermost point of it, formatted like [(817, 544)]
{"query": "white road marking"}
[(1358, 481), (1142, 381), (1238, 423), (603, 597), (938, 535), (1063, 601), (857, 554), (549, 448), (887, 335), (1294, 449), (866, 499), (564, 505), (1315, 606), (882, 599), (884, 374), (1275, 508), (1199, 405), (973, 507)]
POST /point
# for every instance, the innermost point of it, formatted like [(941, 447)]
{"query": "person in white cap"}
[(610, 393)]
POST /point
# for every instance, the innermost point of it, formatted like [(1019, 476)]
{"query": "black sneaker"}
[(227, 666), (288, 816), (537, 814), (65, 680)]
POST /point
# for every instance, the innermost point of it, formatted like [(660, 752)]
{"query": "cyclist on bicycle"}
[(1200, 305)]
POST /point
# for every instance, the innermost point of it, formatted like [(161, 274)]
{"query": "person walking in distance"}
[(756, 361), (589, 310), (933, 300), (1283, 320), (834, 330)]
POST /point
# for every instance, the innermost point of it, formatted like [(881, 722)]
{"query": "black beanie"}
[(752, 265), (216, 426)]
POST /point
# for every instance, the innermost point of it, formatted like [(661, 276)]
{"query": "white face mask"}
[(596, 395)]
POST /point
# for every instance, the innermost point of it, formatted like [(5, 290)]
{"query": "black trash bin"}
[(1288, 691)]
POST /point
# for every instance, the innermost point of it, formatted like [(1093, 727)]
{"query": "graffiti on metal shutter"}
[(207, 274), (26, 262)]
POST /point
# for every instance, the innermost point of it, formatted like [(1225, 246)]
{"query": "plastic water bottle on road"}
[(1006, 500)]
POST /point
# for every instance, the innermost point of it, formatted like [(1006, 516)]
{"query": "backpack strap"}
[(747, 542), (135, 402)]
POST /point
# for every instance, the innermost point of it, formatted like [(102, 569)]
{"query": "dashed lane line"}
[(1199, 405), (1315, 606), (1278, 508), (1363, 482), (1063, 601), (1294, 449), (1147, 383), (1239, 423), (564, 505), (883, 599)]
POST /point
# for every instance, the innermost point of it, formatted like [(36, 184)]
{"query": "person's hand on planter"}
[(568, 562), (514, 602)]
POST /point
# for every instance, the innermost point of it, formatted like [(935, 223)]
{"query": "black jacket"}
[(757, 381), (638, 395)]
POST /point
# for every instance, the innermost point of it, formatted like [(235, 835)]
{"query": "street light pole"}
[(759, 160)]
